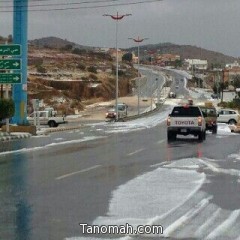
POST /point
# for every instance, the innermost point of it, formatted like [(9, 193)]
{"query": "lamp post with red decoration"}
[(138, 41), (117, 18), (151, 52)]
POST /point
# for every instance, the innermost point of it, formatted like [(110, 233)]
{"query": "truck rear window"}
[(188, 111)]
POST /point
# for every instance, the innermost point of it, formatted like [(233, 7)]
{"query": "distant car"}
[(172, 95), (122, 111), (45, 118), (229, 116), (214, 96), (111, 113)]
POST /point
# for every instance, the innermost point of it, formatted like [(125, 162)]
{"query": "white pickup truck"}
[(45, 118), (186, 120)]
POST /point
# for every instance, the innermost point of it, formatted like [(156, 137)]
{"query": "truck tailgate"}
[(184, 122)]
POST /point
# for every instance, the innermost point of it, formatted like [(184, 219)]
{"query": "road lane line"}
[(207, 224), (186, 218), (225, 226), (161, 141), (135, 152), (78, 172)]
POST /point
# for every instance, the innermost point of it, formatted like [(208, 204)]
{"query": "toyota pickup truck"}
[(45, 118), (186, 120)]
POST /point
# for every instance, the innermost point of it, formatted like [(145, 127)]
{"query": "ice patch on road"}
[(26, 150), (157, 191), (138, 124), (234, 156), (93, 238), (151, 197), (223, 129)]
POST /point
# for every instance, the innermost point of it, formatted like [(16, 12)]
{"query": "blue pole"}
[(20, 20)]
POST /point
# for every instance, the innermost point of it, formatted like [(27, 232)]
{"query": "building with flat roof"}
[(196, 64)]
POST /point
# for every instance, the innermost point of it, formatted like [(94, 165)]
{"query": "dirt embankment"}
[(68, 82)]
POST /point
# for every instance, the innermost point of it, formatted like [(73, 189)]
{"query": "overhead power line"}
[(78, 7), (59, 4)]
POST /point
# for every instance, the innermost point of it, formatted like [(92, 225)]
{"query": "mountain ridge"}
[(185, 51)]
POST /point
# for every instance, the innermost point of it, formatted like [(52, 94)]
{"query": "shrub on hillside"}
[(41, 69), (235, 104), (92, 69), (93, 76), (81, 66)]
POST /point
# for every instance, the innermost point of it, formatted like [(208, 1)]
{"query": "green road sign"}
[(10, 50), (10, 78), (10, 64)]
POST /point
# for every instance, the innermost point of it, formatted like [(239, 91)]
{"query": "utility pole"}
[(138, 41), (117, 18)]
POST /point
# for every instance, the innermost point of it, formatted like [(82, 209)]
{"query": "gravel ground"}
[(97, 111)]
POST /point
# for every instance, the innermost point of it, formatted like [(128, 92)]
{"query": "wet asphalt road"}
[(50, 184), (47, 192)]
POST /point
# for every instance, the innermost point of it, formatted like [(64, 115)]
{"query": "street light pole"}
[(117, 18), (151, 53), (138, 41)]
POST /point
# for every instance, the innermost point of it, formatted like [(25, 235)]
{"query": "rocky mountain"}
[(68, 76), (55, 42), (185, 51), (188, 51)]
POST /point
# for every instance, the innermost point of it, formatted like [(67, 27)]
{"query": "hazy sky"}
[(210, 24)]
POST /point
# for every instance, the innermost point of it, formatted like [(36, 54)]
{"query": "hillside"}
[(185, 51), (69, 76), (69, 79), (55, 42), (188, 51)]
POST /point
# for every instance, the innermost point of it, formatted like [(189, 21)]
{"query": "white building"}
[(232, 65), (196, 64)]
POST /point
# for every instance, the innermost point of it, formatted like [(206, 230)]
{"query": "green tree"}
[(127, 57), (236, 81), (79, 51), (41, 69), (178, 63), (92, 69), (67, 47), (7, 108), (81, 66)]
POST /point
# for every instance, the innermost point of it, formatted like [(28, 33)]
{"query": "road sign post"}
[(10, 78)]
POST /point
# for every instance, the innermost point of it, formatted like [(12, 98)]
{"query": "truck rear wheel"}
[(171, 136), (52, 124), (202, 136), (214, 130)]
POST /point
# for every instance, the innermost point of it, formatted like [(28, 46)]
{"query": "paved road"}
[(118, 173), (47, 191)]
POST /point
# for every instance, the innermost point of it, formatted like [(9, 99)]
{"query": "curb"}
[(9, 137), (61, 129), (235, 129)]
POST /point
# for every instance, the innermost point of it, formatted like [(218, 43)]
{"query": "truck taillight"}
[(168, 121), (200, 121)]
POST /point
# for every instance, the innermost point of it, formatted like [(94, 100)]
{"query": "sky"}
[(209, 24)]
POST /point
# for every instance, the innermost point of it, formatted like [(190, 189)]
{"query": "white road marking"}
[(186, 218), (203, 228), (78, 172), (161, 164), (161, 141), (224, 226), (233, 172), (135, 152)]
